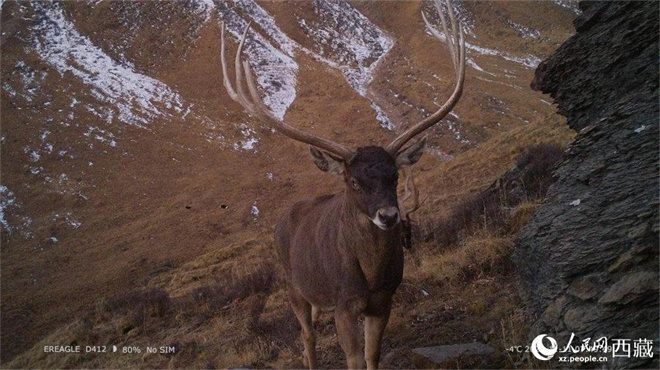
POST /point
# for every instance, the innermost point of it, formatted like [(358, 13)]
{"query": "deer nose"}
[(389, 216)]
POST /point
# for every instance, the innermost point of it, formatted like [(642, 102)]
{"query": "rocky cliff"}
[(589, 257)]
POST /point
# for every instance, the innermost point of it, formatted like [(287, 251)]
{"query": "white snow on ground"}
[(249, 141), (254, 211), (9, 204), (474, 65), (137, 98), (381, 117), (463, 16), (275, 70), (571, 5), (455, 130), (264, 21), (528, 61), (6, 200), (347, 41), (205, 7), (498, 82), (524, 32), (68, 217), (30, 81), (121, 94)]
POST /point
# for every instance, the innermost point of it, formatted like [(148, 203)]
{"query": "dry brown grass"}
[(480, 257), (519, 216)]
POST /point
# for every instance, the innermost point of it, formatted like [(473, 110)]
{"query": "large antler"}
[(456, 43), (257, 108)]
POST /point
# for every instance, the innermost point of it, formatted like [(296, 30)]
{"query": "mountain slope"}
[(122, 157)]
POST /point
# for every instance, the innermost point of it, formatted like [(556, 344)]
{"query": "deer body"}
[(336, 256), (344, 251)]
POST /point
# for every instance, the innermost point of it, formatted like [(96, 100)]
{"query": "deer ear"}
[(327, 162), (411, 154)]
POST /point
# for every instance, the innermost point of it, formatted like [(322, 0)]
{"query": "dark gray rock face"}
[(589, 257)]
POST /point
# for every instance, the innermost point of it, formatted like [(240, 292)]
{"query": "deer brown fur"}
[(334, 256)]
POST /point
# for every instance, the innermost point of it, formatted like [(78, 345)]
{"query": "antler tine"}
[(406, 190), (225, 80), (257, 108), (239, 74), (407, 193), (459, 67), (451, 42)]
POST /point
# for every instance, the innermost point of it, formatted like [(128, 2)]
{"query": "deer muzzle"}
[(387, 217)]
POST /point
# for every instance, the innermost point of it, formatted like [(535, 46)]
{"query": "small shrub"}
[(488, 210), (537, 163), (481, 211), (519, 216), (216, 297), (480, 256), (148, 302)]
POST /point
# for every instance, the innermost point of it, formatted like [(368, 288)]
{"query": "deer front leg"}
[(375, 321), (348, 331), (303, 311)]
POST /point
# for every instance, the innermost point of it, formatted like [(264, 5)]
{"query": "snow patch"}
[(528, 61), (34, 156), (571, 5), (20, 223), (250, 140), (204, 7), (69, 220), (348, 41), (137, 98), (463, 16), (381, 117), (524, 32), (254, 211), (275, 70), (29, 80)]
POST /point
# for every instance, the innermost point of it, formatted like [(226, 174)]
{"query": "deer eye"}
[(354, 184)]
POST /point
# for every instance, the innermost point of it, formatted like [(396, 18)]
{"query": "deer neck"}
[(371, 246)]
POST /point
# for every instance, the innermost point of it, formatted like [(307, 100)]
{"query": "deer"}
[(343, 252)]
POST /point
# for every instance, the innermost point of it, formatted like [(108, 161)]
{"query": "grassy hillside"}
[(138, 200), (228, 307)]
